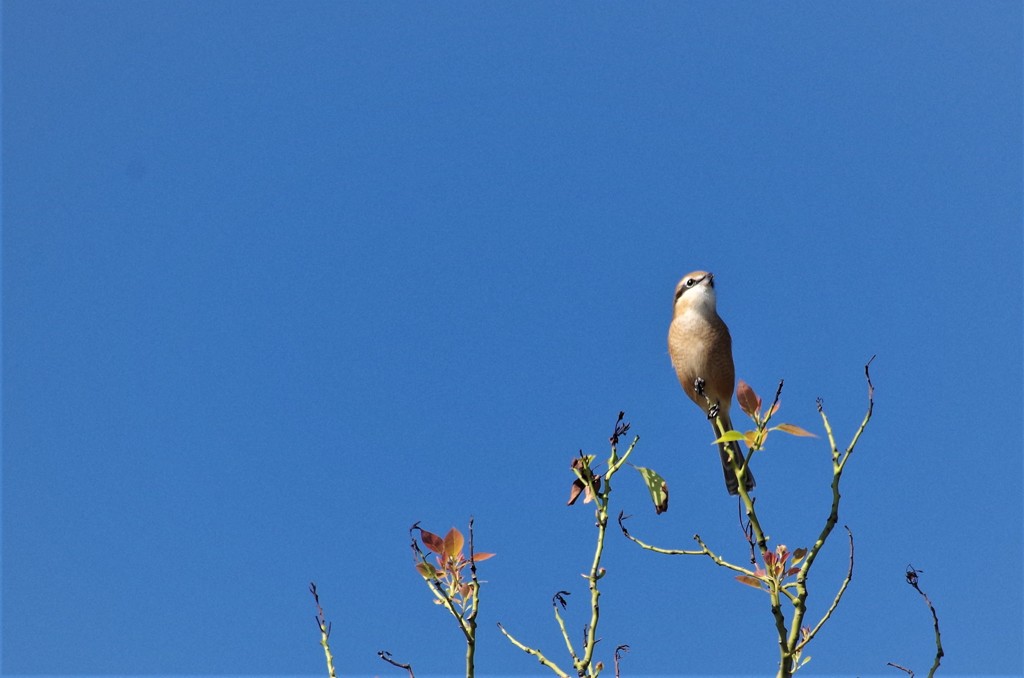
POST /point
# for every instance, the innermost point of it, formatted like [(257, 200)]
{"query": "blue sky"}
[(281, 279)]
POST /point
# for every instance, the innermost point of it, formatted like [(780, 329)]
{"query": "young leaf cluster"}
[(447, 571), (751, 403)]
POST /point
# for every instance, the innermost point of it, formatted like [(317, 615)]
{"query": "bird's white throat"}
[(699, 300)]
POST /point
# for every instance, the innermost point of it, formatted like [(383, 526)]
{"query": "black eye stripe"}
[(687, 284)]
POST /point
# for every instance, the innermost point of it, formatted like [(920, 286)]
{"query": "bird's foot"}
[(698, 386)]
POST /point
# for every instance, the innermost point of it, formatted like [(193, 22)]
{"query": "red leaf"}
[(748, 580), (477, 557), (749, 401), (794, 430), (432, 541), (575, 492)]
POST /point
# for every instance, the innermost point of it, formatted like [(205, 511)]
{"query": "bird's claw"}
[(698, 385)]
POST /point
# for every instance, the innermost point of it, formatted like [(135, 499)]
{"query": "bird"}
[(701, 349)]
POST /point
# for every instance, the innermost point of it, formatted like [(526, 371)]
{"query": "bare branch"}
[(619, 651), (325, 630), (536, 653), (386, 656), (912, 579), (656, 549), (835, 601), (901, 668)]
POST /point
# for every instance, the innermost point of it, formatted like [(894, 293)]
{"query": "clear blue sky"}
[(282, 278)]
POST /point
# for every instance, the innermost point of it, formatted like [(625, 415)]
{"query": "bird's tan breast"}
[(701, 347)]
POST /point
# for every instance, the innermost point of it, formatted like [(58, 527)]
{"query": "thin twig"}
[(717, 559), (656, 549), (534, 652), (748, 531), (901, 668), (867, 415), (835, 601), (912, 579), (386, 656), (775, 403), (619, 651), (325, 630), (794, 641), (559, 599)]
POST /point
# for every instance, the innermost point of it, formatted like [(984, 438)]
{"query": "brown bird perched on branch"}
[(701, 349)]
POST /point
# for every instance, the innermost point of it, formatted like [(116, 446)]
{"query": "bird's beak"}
[(711, 279)]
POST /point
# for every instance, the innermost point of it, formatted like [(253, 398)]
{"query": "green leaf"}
[(657, 486), (426, 570), (794, 430), (730, 436)]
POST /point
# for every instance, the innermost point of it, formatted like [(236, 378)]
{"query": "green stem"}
[(565, 634), (535, 653), (471, 631)]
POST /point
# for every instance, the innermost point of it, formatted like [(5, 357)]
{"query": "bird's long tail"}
[(731, 483)]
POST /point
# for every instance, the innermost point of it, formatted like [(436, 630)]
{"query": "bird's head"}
[(696, 291)]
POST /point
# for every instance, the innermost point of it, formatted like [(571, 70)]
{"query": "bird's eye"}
[(690, 282)]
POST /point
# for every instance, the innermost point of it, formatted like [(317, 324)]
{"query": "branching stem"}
[(793, 636), (599, 488)]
